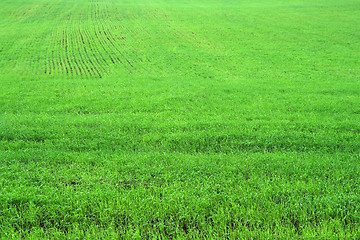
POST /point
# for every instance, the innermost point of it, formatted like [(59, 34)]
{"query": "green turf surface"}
[(163, 119)]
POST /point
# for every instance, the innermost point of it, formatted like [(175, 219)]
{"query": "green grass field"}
[(187, 119)]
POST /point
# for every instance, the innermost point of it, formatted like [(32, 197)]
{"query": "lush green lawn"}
[(179, 119)]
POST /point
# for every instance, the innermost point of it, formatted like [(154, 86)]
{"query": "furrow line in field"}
[(52, 64), (84, 60), (100, 61), (108, 44), (134, 50), (72, 55), (69, 50), (111, 38), (140, 28), (45, 66), (69, 47), (112, 41), (94, 41), (57, 54), (144, 58), (92, 69), (66, 59), (75, 53), (57, 62), (63, 53), (103, 44), (42, 42)]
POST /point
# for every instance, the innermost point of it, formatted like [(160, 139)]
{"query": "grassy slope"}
[(178, 118)]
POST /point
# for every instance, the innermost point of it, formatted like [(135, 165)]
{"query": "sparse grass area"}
[(167, 119)]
